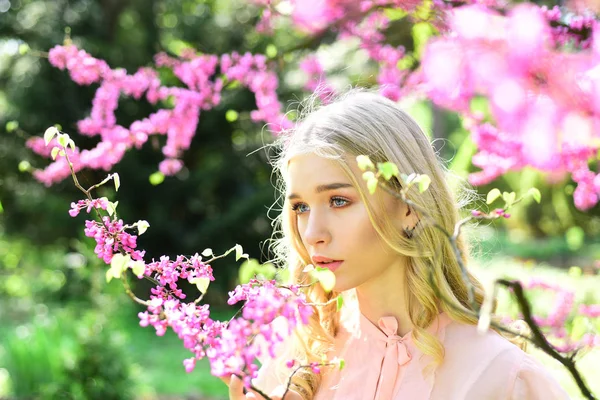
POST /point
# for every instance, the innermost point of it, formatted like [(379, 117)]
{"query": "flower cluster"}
[(536, 66), (204, 84), (248, 334), (563, 315), (111, 238), (101, 203), (542, 99), (231, 347)]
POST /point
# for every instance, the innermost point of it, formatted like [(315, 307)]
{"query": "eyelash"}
[(295, 207)]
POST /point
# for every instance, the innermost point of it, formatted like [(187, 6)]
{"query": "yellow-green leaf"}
[(111, 208), (24, 166), (12, 126), (309, 268), (493, 195), (364, 162), (138, 267), (423, 181), (326, 278), (156, 178), (388, 169), (248, 270), (63, 139), (119, 262), (201, 284), (268, 271), (535, 193), (339, 302), (54, 152), (49, 134), (509, 198), (207, 252), (142, 226), (271, 51), (117, 180), (231, 115), (239, 252), (23, 49)]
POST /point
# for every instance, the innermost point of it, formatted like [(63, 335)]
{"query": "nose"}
[(316, 231)]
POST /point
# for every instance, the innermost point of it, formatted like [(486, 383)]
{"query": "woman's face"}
[(333, 221)]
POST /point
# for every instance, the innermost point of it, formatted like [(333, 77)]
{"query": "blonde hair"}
[(360, 122)]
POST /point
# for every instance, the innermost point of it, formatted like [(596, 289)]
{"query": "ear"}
[(408, 216)]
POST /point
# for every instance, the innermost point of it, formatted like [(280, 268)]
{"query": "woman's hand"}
[(236, 391)]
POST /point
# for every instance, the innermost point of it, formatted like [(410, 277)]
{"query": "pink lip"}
[(325, 262), (332, 266)]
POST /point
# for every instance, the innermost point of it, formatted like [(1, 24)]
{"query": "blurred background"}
[(64, 332)]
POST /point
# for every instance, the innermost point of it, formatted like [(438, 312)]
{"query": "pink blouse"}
[(381, 365)]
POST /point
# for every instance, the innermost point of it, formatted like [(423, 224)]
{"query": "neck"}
[(387, 295)]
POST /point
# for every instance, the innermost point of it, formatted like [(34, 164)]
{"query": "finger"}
[(225, 379), (236, 388), (278, 392)]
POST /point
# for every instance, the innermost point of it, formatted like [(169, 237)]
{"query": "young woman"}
[(398, 339)]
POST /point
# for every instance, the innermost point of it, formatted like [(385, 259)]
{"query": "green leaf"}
[(364, 162), (118, 264), (423, 181), (138, 267), (509, 198), (12, 126), (268, 271), (248, 270), (575, 271), (325, 277), (1, 208), (493, 195), (388, 169), (117, 180), (112, 207), (71, 144), (283, 275), (239, 252), (23, 49), (142, 226), (339, 302), (231, 115), (156, 178), (54, 152), (207, 252), (24, 166), (372, 185), (535, 193), (201, 284), (575, 237), (49, 134), (342, 364), (308, 268), (409, 180), (579, 327), (271, 51), (63, 139)]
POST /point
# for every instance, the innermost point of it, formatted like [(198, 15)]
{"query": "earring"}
[(409, 232)]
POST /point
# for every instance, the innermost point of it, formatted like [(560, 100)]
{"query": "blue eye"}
[(299, 208), (338, 202)]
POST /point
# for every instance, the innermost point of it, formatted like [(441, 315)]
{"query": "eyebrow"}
[(323, 188)]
